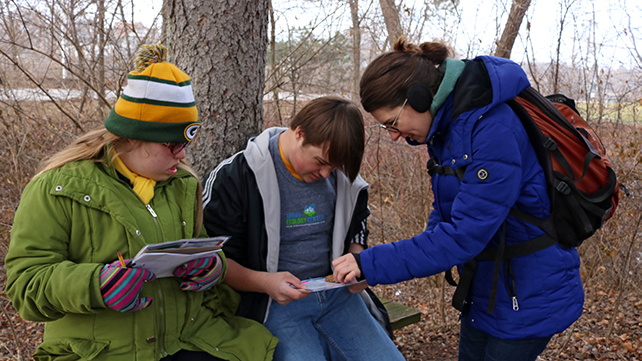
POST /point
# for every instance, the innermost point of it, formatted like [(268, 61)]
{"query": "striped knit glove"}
[(120, 287), (202, 273)]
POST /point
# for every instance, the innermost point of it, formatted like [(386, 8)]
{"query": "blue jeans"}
[(475, 345), (329, 325)]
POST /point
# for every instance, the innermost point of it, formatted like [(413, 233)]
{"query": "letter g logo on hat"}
[(191, 131)]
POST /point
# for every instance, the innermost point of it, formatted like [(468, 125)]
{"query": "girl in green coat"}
[(117, 189)]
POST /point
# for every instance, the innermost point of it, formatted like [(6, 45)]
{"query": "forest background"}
[(255, 62)]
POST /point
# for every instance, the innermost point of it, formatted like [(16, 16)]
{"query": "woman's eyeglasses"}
[(391, 127), (176, 148)]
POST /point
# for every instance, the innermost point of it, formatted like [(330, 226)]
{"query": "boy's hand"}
[(284, 288)]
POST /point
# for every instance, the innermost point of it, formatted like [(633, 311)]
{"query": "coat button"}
[(59, 188), (151, 339), (87, 198), (184, 223), (465, 156), (138, 233)]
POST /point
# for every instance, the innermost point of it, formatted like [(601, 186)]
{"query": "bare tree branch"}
[(514, 22)]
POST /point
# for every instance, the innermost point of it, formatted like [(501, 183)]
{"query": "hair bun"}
[(403, 45), (149, 54), (435, 51)]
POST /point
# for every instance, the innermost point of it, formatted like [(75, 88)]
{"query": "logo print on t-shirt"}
[(309, 210), (308, 218)]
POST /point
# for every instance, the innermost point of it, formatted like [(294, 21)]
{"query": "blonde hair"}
[(93, 146), (90, 146)]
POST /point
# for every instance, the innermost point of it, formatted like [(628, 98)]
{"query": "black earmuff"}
[(419, 97)]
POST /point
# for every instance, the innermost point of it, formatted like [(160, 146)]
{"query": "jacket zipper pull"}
[(512, 292), (149, 208)]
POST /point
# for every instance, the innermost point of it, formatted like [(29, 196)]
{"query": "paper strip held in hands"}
[(163, 258), (319, 284)]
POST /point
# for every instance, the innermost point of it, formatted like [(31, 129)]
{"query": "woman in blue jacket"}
[(486, 166)]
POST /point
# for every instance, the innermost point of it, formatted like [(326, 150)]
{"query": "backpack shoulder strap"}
[(433, 167)]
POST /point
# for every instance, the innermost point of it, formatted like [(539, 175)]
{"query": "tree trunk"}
[(391, 18), (514, 22), (356, 48), (276, 78), (221, 45), (100, 87)]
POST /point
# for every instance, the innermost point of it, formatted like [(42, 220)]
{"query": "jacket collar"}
[(452, 69), (259, 160), (484, 83)]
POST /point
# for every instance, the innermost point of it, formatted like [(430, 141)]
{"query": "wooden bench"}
[(400, 315)]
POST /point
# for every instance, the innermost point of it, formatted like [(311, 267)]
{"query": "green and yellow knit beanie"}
[(157, 105)]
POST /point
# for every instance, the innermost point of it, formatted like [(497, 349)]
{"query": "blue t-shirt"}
[(307, 219)]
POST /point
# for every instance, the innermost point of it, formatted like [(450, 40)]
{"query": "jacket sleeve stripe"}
[(211, 178)]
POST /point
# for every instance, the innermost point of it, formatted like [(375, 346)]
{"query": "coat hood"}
[(485, 82)]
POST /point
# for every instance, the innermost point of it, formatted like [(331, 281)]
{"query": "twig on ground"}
[(13, 330)]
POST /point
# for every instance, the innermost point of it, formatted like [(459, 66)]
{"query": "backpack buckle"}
[(432, 167), (549, 144), (563, 188)]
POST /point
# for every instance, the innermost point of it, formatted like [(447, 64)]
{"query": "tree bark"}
[(100, 87), (221, 45), (276, 78), (356, 48), (514, 22), (391, 18)]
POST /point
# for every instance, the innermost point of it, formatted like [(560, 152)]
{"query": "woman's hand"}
[(201, 273), (120, 287), (346, 268), (358, 287)]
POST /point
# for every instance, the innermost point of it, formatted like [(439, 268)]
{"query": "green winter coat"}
[(69, 224)]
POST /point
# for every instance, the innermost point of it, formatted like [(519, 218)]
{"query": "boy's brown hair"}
[(336, 125)]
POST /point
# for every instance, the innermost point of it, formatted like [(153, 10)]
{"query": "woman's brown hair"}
[(386, 79)]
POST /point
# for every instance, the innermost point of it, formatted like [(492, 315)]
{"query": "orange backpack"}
[(582, 185)]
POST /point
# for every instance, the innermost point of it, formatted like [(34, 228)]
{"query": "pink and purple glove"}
[(120, 287), (202, 273)]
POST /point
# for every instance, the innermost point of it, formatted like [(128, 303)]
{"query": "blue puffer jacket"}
[(475, 128)]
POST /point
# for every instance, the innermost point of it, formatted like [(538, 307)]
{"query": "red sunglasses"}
[(176, 148)]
